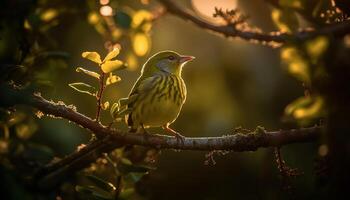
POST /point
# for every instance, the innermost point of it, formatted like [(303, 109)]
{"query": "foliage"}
[(34, 59)]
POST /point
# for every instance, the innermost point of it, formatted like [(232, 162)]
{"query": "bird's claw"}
[(180, 138)]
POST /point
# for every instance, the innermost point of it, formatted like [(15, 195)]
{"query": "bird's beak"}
[(184, 59)]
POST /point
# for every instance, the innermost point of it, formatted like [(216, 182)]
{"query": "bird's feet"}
[(178, 136), (144, 132)]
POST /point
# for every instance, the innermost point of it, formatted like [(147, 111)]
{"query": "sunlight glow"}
[(206, 8)]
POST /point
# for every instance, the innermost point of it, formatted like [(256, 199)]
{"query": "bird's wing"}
[(124, 105), (141, 87)]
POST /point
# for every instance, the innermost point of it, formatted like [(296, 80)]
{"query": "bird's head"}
[(165, 62)]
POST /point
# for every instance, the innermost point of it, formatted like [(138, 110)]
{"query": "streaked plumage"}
[(157, 97)]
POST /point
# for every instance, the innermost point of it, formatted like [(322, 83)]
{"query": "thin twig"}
[(286, 172), (100, 94)]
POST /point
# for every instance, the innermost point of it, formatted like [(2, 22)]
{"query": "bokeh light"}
[(104, 2), (106, 11)]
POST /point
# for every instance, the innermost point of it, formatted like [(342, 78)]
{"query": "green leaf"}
[(83, 189), (126, 193), (114, 109), (83, 88), (93, 56), (134, 177), (123, 19), (93, 192), (88, 72), (102, 184), (110, 66), (112, 54)]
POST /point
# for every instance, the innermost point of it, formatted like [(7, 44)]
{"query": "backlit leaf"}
[(295, 63), (93, 56), (316, 47), (102, 184), (305, 108), (112, 65), (140, 17), (285, 19), (141, 44), (88, 72), (112, 54), (131, 59), (48, 14), (93, 18), (114, 109), (105, 105), (112, 79), (83, 88)]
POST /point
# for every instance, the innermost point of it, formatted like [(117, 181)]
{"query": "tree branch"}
[(237, 142), (338, 29), (109, 139)]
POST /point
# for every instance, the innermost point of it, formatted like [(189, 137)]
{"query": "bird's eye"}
[(171, 58)]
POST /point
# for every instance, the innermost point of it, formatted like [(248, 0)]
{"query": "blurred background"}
[(231, 83)]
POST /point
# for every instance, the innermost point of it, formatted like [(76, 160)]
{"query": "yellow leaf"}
[(112, 79), (139, 17), (93, 18), (313, 110), (27, 25), (131, 59), (141, 44), (48, 15), (112, 54), (112, 65), (93, 56), (295, 63), (317, 47), (305, 107), (285, 20)]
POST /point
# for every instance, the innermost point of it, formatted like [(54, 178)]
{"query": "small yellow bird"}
[(157, 96)]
